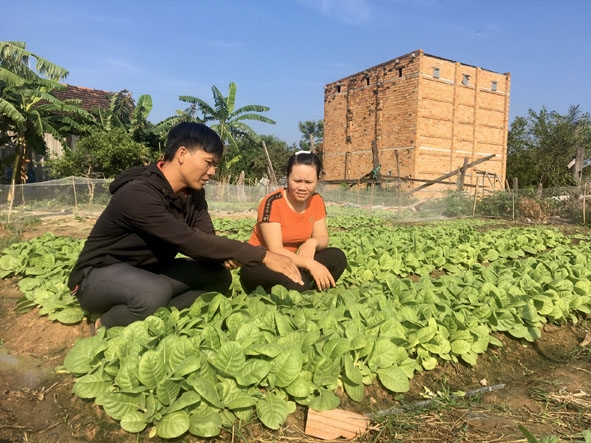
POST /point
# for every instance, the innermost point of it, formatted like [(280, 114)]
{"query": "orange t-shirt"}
[(296, 227)]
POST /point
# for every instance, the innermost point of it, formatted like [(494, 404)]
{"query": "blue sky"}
[(281, 53)]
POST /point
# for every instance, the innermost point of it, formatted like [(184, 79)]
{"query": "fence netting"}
[(87, 197)]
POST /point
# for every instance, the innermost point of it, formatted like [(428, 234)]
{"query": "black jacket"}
[(146, 225)]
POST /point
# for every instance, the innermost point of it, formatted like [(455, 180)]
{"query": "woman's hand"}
[(321, 275), (308, 248)]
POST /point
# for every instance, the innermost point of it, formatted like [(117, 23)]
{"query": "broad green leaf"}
[(352, 372), (355, 391), (126, 377), (336, 347), (248, 333), (253, 372), (173, 425), (92, 385), (188, 398), (241, 400), (189, 365), (134, 422), (84, 354), (268, 349), (230, 358), (151, 369), (460, 347), (119, 404), (469, 357), (326, 373), (206, 389), (272, 410), (167, 391), (206, 424), (394, 379), (300, 388), (429, 363), (287, 366), (325, 401), (69, 316)]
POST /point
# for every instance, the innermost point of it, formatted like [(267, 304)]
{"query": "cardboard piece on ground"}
[(330, 425)]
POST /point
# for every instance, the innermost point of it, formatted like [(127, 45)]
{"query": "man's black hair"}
[(193, 136)]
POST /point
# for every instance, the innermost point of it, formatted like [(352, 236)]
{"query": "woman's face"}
[(302, 182)]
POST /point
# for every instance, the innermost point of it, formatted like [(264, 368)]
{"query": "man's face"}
[(197, 168)]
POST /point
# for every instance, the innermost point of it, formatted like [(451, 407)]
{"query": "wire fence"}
[(85, 196)]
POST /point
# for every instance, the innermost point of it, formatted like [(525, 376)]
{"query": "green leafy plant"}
[(411, 298)]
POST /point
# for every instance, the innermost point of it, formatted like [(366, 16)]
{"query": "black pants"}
[(334, 259), (123, 294)]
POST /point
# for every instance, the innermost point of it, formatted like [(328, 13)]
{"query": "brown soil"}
[(547, 386)]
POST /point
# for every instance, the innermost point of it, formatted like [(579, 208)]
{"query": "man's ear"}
[(180, 154)]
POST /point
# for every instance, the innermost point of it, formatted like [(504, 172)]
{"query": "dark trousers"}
[(123, 294), (334, 259)]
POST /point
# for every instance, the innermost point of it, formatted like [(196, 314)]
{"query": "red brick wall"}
[(432, 123)]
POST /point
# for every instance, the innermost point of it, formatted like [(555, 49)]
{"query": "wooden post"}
[(398, 182), (475, 196), (75, 197), (454, 172), (271, 171), (578, 166), (240, 188), (463, 175), (584, 205)]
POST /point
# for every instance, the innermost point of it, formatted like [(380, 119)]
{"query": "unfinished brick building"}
[(418, 117)]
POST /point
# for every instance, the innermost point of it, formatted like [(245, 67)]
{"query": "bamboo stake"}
[(75, 197), (271, 171), (584, 206), (398, 181), (475, 196)]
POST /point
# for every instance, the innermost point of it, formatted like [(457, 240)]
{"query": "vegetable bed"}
[(411, 298)]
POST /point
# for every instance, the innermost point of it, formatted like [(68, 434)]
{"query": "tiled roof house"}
[(90, 98)]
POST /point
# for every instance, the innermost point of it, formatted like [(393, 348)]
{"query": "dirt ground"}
[(545, 386)]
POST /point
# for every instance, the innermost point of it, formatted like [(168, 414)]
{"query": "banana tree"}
[(28, 111), (229, 121)]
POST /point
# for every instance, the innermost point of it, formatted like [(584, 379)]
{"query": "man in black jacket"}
[(128, 267)]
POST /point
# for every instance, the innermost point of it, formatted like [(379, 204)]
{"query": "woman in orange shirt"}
[(292, 222)]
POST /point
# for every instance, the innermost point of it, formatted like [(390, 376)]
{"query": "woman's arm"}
[(273, 239), (271, 233), (317, 242)]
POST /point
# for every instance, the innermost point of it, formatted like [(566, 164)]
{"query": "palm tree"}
[(28, 110), (229, 121)]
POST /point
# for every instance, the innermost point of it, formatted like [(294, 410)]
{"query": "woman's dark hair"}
[(304, 158), (192, 136)]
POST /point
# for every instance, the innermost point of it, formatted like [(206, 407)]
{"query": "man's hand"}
[(231, 264), (281, 263)]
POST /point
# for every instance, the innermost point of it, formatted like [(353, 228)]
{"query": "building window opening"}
[(367, 81), (399, 72), (493, 86), (435, 72), (338, 89), (465, 79)]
